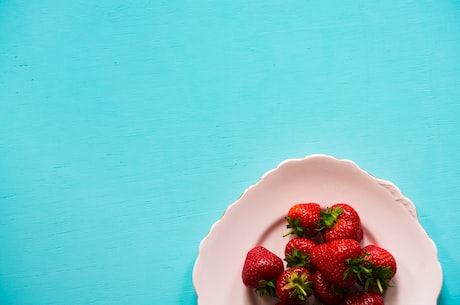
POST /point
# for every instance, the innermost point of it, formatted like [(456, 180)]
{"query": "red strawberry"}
[(326, 292), (341, 221), (294, 285), (364, 298), (382, 268), (303, 219), (339, 261), (261, 269), (297, 252)]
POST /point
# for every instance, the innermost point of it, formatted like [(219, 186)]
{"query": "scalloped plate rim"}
[(390, 187)]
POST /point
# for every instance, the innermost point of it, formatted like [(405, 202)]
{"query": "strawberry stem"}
[(379, 285)]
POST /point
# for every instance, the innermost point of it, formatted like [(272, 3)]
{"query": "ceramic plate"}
[(257, 218)]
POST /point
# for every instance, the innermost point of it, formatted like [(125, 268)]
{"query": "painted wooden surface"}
[(127, 127)]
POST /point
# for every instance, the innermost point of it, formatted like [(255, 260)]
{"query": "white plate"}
[(257, 218)]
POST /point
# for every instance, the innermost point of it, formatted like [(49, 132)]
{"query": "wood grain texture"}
[(127, 128)]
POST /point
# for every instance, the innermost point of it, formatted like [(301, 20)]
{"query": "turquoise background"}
[(128, 127)]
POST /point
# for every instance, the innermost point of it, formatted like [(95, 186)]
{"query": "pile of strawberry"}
[(323, 258)]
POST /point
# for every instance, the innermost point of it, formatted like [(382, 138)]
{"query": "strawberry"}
[(326, 292), (297, 252), (381, 265), (303, 219), (294, 285), (261, 269), (339, 261), (340, 221), (364, 298)]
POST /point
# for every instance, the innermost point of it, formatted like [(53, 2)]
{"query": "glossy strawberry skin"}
[(364, 298), (297, 252), (325, 291), (303, 219), (261, 265), (347, 225), (332, 258), (287, 295)]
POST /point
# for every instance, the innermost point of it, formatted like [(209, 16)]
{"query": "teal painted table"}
[(127, 128)]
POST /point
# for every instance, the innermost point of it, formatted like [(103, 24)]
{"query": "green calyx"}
[(377, 279), (329, 217), (295, 227), (358, 266), (369, 276), (297, 259), (298, 283), (267, 288)]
